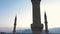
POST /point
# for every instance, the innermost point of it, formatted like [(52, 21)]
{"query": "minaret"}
[(46, 25), (14, 30), (36, 27)]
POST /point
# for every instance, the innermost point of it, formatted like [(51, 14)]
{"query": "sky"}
[(23, 9)]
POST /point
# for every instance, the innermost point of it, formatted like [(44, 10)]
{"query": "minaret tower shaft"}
[(14, 29), (36, 27), (46, 25), (36, 11)]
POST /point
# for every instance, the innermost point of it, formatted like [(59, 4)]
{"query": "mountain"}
[(19, 30), (54, 30), (27, 31), (51, 31)]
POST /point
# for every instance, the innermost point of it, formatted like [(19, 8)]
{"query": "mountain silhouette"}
[(51, 31), (54, 30)]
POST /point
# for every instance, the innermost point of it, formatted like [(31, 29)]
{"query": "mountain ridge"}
[(52, 30)]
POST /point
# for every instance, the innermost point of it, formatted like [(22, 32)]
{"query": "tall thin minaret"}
[(37, 26), (14, 29), (46, 23)]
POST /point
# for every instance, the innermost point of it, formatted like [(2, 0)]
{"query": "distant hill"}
[(51, 31), (20, 30), (54, 30)]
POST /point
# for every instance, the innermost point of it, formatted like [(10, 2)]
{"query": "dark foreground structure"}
[(14, 29), (36, 27), (46, 23)]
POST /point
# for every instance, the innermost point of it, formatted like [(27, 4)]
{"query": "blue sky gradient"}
[(23, 9)]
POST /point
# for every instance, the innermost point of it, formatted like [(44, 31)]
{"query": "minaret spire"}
[(14, 29), (46, 23)]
